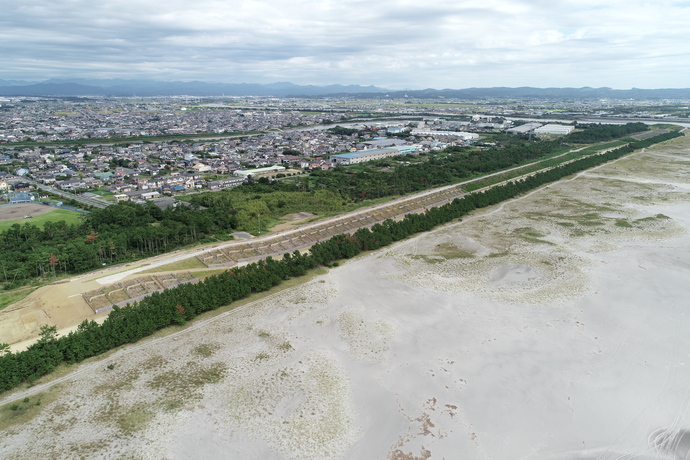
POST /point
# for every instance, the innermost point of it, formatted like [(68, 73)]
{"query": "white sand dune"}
[(557, 327)]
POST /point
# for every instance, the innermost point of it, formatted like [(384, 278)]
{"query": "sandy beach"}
[(554, 326)]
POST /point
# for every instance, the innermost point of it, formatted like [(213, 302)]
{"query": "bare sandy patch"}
[(368, 339)]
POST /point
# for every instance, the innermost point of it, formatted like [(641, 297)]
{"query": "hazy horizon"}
[(390, 44), (114, 80)]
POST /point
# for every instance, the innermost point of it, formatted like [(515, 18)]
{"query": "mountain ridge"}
[(56, 87), (121, 87)]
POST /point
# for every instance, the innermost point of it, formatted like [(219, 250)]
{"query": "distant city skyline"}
[(390, 44)]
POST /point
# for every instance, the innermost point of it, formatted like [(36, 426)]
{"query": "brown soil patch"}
[(59, 305), (18, 211)]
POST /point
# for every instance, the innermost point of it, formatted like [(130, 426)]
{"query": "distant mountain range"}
[(121, 87)]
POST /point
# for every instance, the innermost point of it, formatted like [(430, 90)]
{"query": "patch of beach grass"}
[(531, 235), (117, 382), (133, 418), (451, 251), (206, 350), (178, 386), (26, 409)]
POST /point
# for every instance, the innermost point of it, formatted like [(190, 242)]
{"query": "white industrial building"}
[(554, 129), (462, 135), (259, 171), (524, 129)]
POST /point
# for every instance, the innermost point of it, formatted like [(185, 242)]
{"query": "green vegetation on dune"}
[(185, 264), (24, 410), (8, 298), (263, 203)]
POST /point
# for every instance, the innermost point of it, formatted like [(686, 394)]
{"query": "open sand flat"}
[(555, 326)]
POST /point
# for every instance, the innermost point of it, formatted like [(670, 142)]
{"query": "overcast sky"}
[(396, 44)]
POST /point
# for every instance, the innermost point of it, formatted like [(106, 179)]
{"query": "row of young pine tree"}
[(182, 303), (383, 234)]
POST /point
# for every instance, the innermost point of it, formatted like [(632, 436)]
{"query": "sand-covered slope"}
[(553, 326)]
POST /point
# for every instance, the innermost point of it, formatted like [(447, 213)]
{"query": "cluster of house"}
[(183, 165), (60, 120), (144, 170), (10, 182), (49, 119)]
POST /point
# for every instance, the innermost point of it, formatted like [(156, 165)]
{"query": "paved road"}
[(97, 202)]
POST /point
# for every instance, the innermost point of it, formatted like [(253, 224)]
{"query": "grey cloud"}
[(402, 43)]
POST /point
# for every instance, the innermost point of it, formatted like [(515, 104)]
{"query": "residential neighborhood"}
[(144, 148), (128, 160)]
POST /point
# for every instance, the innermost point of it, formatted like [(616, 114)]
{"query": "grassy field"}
[(71, 217)]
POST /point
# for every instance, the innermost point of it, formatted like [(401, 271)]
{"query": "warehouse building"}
[(462, 135), (362, 156), (554, 129), (524, 129)]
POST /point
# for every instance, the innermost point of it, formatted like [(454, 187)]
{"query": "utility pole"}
[(259, 223)]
